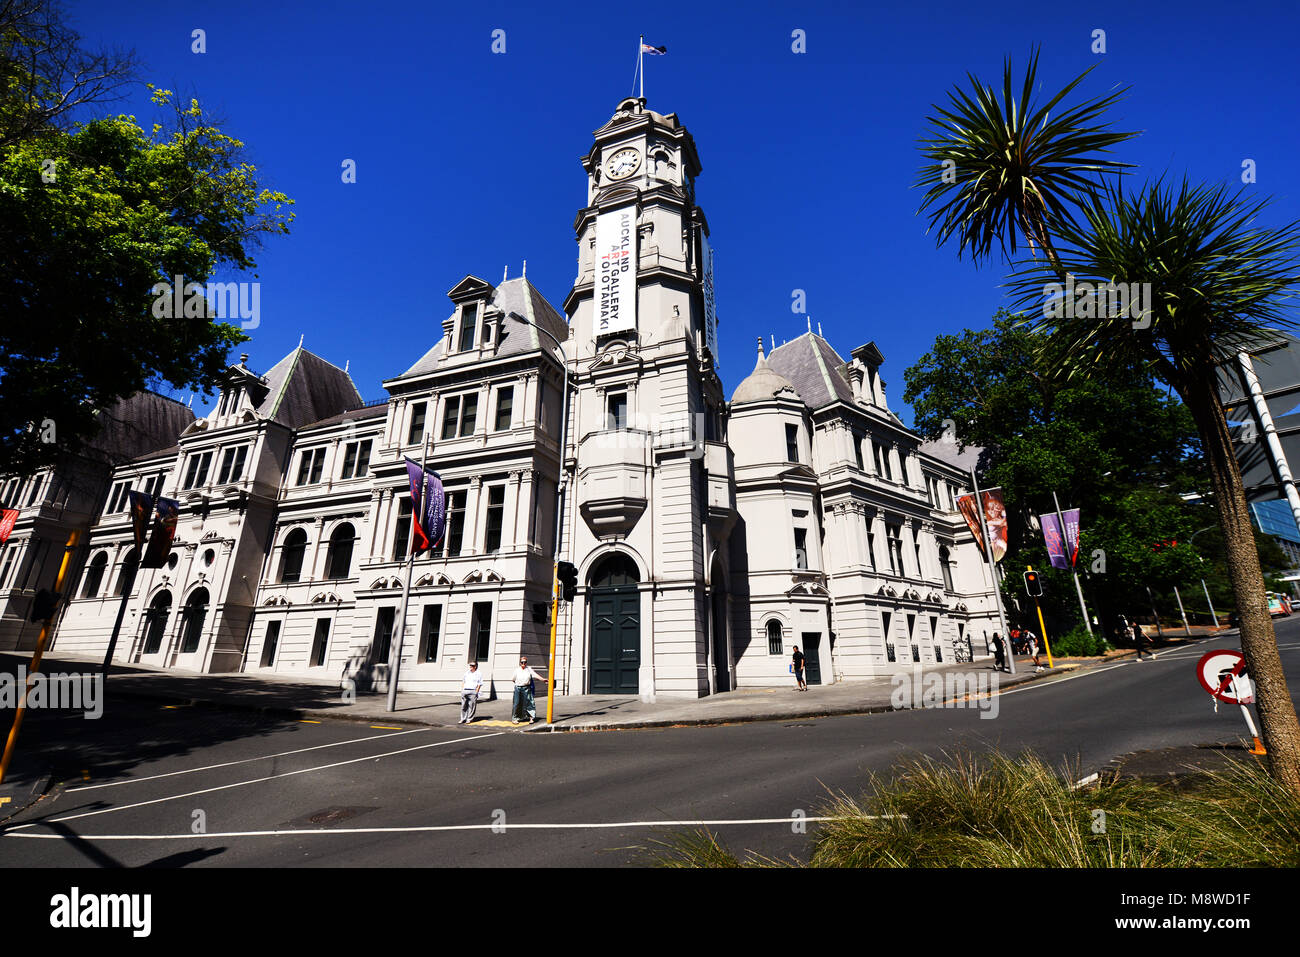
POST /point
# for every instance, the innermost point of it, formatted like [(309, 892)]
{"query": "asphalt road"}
[(135, 786)]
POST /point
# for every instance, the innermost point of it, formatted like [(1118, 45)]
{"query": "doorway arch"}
[(155, 622), (614, 600)]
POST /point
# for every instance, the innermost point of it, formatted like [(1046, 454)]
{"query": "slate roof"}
[(142, 424), (302, 387), (813, 368), (379, 411), (965, 460), (512, 296)]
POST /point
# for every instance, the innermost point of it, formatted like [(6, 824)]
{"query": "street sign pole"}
[(21, 708), (1186, 630), (1214, 619)]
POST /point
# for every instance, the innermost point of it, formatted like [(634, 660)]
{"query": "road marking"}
[(500, 828), (270, 777), (307, 721), (386, 727), (228, 764)]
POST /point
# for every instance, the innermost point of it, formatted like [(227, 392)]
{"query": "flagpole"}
[(993, 572), (640, 64), (395, 653)]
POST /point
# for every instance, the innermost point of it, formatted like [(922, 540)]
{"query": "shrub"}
[(1077, 643)]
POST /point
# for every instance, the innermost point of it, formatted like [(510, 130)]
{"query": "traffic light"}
[(1033, 586), (567, 572)]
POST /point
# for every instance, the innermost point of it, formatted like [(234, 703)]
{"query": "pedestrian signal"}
[(567, 573)]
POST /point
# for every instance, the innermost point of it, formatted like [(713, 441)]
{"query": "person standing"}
[(796, 663), (524, 704), (470, 687)]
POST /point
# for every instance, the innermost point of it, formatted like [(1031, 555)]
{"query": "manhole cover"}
[(467, 753), (328, 816)]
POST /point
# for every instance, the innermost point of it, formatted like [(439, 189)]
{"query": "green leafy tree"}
[(92, 216), (1217, 275)]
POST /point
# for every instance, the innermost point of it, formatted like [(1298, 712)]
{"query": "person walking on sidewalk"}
[(796, 664), (470, 687), (1140, 641), (1031, 640), (999, 652), (525, 706)]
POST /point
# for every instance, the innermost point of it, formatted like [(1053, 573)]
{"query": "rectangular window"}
[(894, 538), (356, 459), (505, 408), (451, 417), (402, 531), (801, 548), (468, 413), (232, 465), (481, 637), (792, 443), (468, 326), (868, 520), (9, 564), (320, 642), (36, 490), (857, 450), (118, 500), (415, 434), (269, 644), (455, 522), (495, 514), (197, 474), (616, 410), (310, 465), (430, 632), (380, 647)]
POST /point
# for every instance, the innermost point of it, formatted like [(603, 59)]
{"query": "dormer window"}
[(468, 326)]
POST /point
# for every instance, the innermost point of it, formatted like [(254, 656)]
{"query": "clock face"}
[(623, 163)]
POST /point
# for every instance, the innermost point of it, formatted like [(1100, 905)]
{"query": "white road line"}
[(228, 764), (500, 828), (237, 784)]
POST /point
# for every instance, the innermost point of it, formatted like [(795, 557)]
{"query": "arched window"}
[(155, 622), (613, 571), (127, 575), (775, 646), (95, 575), (339, 561), (945, 558), (295, 547), (192, 618)]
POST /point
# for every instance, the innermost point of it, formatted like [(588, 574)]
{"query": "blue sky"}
[(468, 161)]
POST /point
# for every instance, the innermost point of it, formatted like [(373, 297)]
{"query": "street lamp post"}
[(559, 516)]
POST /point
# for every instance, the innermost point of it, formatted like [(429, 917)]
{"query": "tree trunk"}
[(1277, 716)]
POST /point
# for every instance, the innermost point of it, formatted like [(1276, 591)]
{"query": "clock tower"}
[(651, 498)]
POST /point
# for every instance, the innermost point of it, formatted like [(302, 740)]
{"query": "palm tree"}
[(1216, 281)]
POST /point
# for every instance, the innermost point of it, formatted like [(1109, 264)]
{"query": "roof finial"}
[(760, 348), (301, 336), (525, 268), (819, 328), (773, 335), (346, 364), (809, 323), (505, 271)]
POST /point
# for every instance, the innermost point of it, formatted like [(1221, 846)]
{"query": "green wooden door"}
[(615, 640)]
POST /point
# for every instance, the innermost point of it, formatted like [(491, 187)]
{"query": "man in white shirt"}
[(524, 702), (470, 687)]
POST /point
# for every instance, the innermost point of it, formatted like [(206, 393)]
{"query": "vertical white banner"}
[(710, 306), (616, 258)]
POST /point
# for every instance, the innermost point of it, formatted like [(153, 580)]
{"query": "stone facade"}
[(710, 537)]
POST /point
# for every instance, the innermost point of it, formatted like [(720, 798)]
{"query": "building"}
[(711, 536)]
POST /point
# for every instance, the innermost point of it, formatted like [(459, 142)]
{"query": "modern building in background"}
[(711, 536)]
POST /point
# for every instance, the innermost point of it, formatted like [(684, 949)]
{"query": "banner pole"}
[(127, 587), (993, 572), (395, 652), (1065, 544)]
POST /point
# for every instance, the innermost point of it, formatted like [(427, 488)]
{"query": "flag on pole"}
[(428, 507), (164, 530), (1061, 553), (141, 508), (653, 51), (995, 517)]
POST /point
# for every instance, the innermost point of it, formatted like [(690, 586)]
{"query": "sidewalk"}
[(307, 699)]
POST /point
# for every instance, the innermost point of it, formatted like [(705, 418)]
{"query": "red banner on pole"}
[(8, 517), (995, 516)]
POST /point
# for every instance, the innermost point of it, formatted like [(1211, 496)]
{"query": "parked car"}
[(1279, 606)]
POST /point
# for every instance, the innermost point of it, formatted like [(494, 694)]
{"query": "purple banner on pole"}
[(1056, 547), (428, 507)]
